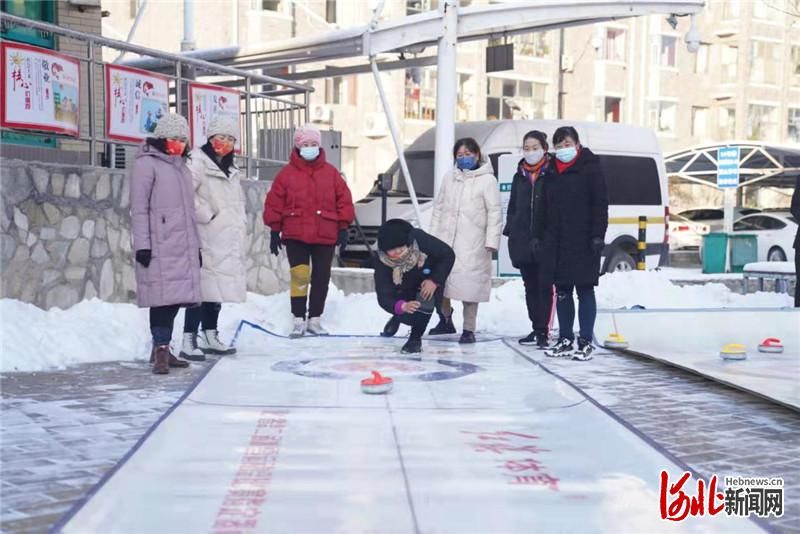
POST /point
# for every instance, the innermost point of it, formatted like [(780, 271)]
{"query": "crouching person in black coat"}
[(410, 272)]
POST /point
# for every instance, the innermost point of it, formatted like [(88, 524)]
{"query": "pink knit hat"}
[(307, 134)]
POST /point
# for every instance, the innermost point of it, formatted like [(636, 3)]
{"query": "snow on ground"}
[(97, 331)]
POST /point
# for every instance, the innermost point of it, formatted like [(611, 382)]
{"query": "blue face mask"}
[(309, 153), (567, 154), (466, 163)]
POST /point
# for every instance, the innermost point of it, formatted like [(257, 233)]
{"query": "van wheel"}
[(776, 254), (620, 261)]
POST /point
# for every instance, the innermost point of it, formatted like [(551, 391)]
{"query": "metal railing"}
[(271, 107)]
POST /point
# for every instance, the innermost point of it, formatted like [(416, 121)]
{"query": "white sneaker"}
[(315, 328), (299, 328), (190, 350), (209, 343)]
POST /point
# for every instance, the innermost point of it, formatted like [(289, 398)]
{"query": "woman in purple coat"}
[(165, 234)]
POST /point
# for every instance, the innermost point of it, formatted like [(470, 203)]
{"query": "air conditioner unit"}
[(376, 125), (321, 113)]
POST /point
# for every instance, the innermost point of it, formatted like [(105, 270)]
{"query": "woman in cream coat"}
[(467, 216), (221, 223)]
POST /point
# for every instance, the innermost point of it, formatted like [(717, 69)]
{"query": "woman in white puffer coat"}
[(468, 217), (222, 225)]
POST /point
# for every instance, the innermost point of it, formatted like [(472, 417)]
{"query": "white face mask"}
[(532, 157)]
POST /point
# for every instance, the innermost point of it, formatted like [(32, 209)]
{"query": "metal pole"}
[(446, 90), (248, 121), (560, 73), (188, 26), (92, 142), (641, 245), (396, 139), (135, 25), (178, 92)]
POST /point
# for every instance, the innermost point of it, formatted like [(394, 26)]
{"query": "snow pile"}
[(96, 331)]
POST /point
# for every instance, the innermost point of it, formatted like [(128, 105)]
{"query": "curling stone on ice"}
[(733, 351), (615, 341), (377, 384), (771, 345)]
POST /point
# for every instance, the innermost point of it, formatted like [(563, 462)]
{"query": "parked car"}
[(686, 234), (775, 232), (714, 217)]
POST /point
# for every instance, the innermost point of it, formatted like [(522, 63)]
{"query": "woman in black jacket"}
[(410, 273), (570, 231), (526, 198)]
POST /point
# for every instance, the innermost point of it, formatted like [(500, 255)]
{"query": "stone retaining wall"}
[(65, 235)]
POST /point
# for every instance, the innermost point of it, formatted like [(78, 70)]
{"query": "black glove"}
[(275, 242), (536, 245), (342, 241), (143, 257), (597, 244), (200, 255)]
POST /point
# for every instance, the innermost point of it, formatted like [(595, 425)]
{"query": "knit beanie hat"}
[(171, 125), (307, 134), (394, 233), (223, 124)]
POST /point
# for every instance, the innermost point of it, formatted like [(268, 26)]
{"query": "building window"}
[(727, 123), (615, 45), (330, 11), (730, 9), (466, 97), (729, 61), (763, 9), (699, 122), (765, 62), (613, 109), (42, 10), (531, 44), (414, 7), (515, 99), (794, 125), (795, 65), (334, 90), (662, 117), (762, 122), (420, 97), (701, 59), (666, 50), (266, 5)]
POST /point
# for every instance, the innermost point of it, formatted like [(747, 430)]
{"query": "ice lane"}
[(472, 439)]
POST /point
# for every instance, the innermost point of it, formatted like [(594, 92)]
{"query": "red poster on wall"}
[(135, 102), (206, 101)]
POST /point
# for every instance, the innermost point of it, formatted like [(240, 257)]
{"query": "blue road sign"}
[(728, 166)]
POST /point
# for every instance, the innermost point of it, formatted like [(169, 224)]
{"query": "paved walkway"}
[(62, 430)]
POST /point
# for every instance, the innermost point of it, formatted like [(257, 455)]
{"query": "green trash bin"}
[(744, 250), (715, 246)]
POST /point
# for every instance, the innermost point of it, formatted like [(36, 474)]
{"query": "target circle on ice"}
[(399, 368)]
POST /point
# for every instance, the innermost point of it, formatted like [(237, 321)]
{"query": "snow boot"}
[(562, 349), (412, 346), (445, 326), (190, 350), (584, 352), (299, 328), (467, 337), (315, 328), (159, 357), (209, 343), (391, 327)]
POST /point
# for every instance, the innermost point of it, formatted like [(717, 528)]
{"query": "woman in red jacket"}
[(308, 209)]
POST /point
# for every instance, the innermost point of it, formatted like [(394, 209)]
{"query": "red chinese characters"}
[(519, 469), (676, 505)]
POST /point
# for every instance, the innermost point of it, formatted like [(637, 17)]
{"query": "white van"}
[(629, 155)]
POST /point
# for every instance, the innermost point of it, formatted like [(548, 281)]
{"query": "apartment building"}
[(743, 82)]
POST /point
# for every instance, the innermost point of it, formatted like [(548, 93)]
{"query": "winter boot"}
[(584, 352), (391, 327), (445, 326), (299, 328), (209, 343), (562, 349), (467, 337), (315, 328), (412, 346), (190, 350), (159, 357)]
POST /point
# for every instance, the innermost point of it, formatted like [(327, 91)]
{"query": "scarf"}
[(410, 260), (534, 171)]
